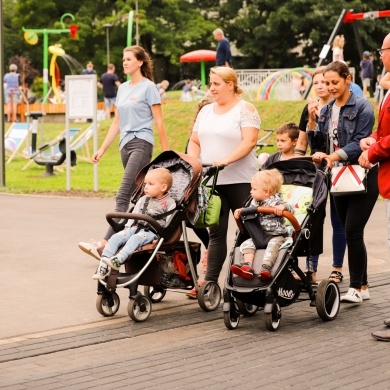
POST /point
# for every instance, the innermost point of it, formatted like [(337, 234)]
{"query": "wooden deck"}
[(48, 109)]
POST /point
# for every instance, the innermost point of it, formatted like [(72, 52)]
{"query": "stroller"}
[(305, 188), (167, 262)]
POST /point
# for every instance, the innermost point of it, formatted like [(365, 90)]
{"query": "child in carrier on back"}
[(156, 203), (265, 192)]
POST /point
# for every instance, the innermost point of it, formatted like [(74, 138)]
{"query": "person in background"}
[(138, 105), (366, 73), (11, 90), (232, 124), (109, 82), (162, 90), (338, 48), (343, 122), (186, 92), (376, 149), (224, 55), (89, 69), (309, 116)]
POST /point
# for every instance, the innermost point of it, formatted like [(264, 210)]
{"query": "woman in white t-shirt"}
[(338, 48), (225, 133)]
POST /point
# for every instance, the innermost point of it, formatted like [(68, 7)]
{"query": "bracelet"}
[(300, 152), (315, 129)]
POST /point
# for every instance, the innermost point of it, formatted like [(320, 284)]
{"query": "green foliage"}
[(268, 33)]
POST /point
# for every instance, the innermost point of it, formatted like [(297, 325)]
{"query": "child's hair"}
[(164, 175), (269, 179), (290, 128)]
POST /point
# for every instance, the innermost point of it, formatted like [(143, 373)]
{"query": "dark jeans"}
[(232, 197), (135, 155), (339, 242), (354, 212)]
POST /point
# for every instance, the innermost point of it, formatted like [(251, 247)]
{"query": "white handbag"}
[(348, 180)]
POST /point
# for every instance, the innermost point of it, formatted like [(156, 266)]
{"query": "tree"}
[(267, 33)]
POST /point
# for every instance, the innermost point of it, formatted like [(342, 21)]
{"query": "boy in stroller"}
[(265, 191), (156, 203)]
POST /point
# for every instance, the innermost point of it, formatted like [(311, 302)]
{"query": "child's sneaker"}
[(112, 262), (101, 273), (244, 270), (265, 273)]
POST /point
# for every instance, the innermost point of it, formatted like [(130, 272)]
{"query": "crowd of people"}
[(337, 125)]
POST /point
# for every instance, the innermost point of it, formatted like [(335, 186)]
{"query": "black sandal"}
[(338, 276)]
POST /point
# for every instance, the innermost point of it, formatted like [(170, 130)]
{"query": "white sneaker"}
[(101, 273), (352, 296), (91, 248), (365, 294)]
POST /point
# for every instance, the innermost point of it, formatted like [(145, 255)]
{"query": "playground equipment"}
[(31, 37), (56, 50), (200, 56), (280, 85), (348, 17)]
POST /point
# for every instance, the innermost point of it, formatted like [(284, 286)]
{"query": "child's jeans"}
[(132, 240)]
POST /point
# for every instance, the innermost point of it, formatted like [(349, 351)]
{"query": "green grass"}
[(178, 118)]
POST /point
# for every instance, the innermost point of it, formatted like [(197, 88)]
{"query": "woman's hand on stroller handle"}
[(210, 170)]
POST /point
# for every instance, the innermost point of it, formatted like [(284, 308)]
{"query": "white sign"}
[(324, 51), (80, 96), (81, 103)]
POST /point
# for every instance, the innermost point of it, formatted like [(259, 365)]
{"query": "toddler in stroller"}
[(170, 260), (305, 189), (156, 203), (265, 192)]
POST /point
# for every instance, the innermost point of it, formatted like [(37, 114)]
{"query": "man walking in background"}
[(224, 55), (109, 82)]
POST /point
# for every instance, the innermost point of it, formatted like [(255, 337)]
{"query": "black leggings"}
[(232, 196), (354, 212)]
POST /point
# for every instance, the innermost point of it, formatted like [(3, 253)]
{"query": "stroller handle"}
[(270, 210), (110, 217), (209, 170)]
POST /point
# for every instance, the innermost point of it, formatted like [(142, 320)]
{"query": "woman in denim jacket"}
[(343, 122)]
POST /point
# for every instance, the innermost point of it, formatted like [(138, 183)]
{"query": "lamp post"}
[(107, 26)]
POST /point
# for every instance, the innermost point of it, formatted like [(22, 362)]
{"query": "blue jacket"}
[(356, 121)]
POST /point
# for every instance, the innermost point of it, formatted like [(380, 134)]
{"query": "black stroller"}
[(168, 262), (241, 296)]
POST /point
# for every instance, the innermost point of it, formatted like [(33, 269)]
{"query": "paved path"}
[(51, 335)]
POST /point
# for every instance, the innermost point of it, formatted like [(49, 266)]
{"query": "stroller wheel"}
[(139, 309), (247, 309), (231, 318), (327, 300), (272, 320), (154, 294), (107, 304), (209, 296)]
